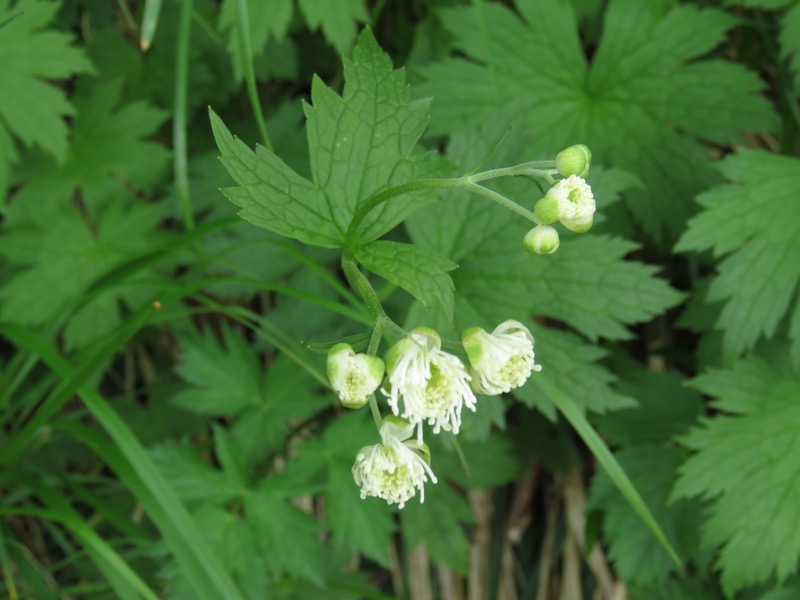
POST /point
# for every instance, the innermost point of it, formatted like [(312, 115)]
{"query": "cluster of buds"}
[(424, 384), (569, 201)]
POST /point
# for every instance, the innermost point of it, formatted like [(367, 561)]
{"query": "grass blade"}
[(152, 11), (123, 579), (576, 418), (200, 565)]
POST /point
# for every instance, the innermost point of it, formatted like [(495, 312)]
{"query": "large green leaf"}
[(753, 220), (645, 84), (745, 464), (360, 143)]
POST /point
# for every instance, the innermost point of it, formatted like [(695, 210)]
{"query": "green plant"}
[(183, 393)]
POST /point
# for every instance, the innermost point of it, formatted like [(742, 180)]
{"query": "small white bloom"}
[(354, 377), (394, 469), (570, 201), (502, 360), (433, 385)]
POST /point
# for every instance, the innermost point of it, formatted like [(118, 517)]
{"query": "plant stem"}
[(376, 413), (359, 282), (249, 72), (351, 239), (536, 168), (501, 200), (179, 145)]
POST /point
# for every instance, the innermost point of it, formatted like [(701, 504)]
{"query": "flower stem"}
[(351, 235), (501, 200), (376, 413), (536, 168)]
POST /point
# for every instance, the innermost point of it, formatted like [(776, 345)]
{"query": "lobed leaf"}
[(644, 80), (360, 143), (753, 220), (421, 272), (745, 465), (32, 109)]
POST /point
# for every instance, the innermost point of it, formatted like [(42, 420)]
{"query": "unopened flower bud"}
[(354, 377), (574, 160), (542, 239)]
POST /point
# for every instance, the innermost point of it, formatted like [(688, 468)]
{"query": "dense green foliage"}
[(167, 428)]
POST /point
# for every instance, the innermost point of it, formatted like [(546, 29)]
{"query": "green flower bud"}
[(547, 210), (354, 377), (574, 160), (542, 239)]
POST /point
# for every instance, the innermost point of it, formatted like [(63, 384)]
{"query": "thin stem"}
[(249, 72), (179, 150), (359, 282), (351, 239), (126, 14), (376, 412), (501, 200), (375, 339), (537, 168)]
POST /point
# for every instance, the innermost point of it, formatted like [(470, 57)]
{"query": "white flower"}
[(433, 385), (570, 201), (394, 469), (354, 377), (502, 360)]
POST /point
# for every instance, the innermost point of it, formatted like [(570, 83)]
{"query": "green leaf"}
[(129, 459), (439, 523), (236, 543), (637, 555), (754, 220), (337, 19), (785, 593), (287, 538), (194, 481), (586, 284), (646, 82), (745, 465), (228, 379), (360, 143), (421, 272), (648, 455), (492, 462), (225, 378), (572, 365), (32, 109), (271, 195), (110, 150), (790, 42), (59, 256), (665, 408), (610, 465), (357, 526)]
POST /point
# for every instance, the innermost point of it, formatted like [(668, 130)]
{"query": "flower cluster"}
[(569, 201), (425, 384)]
